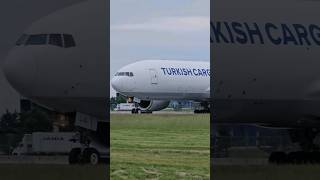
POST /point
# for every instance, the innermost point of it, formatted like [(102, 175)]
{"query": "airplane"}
[(265, 67), (153, 83), (264, 56), (49, 64), (265, 59), (10, 99), (59, 62)]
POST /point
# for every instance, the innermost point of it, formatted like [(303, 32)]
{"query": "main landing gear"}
[(139, 111), (309, 153)]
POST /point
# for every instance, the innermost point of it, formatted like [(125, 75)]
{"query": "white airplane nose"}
[(20, 70), (116, 84)]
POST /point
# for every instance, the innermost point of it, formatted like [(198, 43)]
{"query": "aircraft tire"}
[(74, 156), (278, 157), (298, 157), (201, 111), (315, 157)]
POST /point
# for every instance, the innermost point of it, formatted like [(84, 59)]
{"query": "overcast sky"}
[(153, 29)]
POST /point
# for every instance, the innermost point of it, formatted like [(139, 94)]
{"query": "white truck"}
[(47, 143), (131, 107), (63, 143), (125, 107)]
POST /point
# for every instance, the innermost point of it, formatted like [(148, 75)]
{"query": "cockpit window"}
[(68, 41), (22, 40), (38, 39), (60, 40), (129, 74), (55, 39)]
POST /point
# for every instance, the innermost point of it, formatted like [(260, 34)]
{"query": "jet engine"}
[(153, 105)]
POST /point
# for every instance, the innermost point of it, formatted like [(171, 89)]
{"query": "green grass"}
[(268, 172), (52, 172), (160, 146)]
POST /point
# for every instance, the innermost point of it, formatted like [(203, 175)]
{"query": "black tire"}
[(133, 111), (315, 155), (91, 156), (298, 157), (74, 156), (278, 157)]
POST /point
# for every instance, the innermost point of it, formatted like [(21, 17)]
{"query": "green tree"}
[(10, 131), (13, 127), (120, 99), (34, 121), (9, 122), (117, 100)]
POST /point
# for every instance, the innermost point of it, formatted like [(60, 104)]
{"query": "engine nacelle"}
[(153, 105)]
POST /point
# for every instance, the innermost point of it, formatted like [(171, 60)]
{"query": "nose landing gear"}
[(136, 111), (202, 108)]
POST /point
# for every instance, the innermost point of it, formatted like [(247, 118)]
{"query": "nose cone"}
[(19, 69), (116, 84)]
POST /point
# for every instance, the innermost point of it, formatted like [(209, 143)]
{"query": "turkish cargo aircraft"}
[(60, 63), (60, 60), (153, 83), (265, 59)]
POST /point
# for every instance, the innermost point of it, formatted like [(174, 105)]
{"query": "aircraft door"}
[(154, 76)]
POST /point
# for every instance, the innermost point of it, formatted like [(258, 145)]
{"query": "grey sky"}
[(153, 29)]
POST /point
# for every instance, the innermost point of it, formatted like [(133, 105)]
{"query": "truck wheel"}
[(91, 156), (74, 156), (94, 157)]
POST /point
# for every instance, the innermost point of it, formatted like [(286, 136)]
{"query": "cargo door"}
[(154, 76)]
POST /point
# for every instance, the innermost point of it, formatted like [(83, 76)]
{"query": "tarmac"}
[(56, 159), (239, 161), (156, 112)]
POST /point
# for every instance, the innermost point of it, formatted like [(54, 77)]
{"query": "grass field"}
[(52, 172), (268, 172), (160, 146)]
